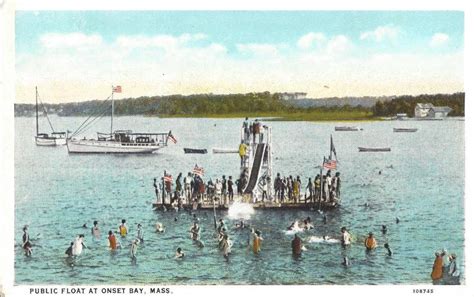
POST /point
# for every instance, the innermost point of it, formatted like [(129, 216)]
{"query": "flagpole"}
[(320, 185), (112, 117), (330, 149)]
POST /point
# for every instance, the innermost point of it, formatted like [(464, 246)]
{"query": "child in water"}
[(123, 229), (179, 254)]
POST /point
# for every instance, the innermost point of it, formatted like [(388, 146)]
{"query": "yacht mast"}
[(37, 129)]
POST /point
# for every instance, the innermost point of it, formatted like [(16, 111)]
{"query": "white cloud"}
[(258, 49), (381, 33), (161, 41), (186, 67), (439, 39), (70, 40), (310, 40), (338, 44)]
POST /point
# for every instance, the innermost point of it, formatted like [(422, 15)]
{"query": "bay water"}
[(421, 181)]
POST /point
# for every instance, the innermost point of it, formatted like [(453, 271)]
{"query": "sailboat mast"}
[(37, 126), (112, 118)]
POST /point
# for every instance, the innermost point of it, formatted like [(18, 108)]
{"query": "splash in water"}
[(240, 210)]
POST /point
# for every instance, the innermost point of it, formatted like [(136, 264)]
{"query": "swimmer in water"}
[(370, 242), (294, 225), (84, 226), (221, 225), (346, 262), (195, 231), (123, 228), (240, 225), (257, 241), (226, 246), (386, 246), (112, 241), (296, 246), (345, 237), (95, 230), (133, 249), (78, 245), (159, 228), (26, 244), (140, 232), (307, 224), (325, 219), (69, 250), (384, 229), (179, 254)]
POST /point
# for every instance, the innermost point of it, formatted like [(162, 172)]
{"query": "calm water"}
[(57, 193)]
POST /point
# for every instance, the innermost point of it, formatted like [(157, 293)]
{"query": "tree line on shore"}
[(251, 103)]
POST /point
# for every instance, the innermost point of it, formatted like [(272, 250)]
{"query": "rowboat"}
[(346, 128), (374, 149), (224, 151), (405, 129), (194, 151)]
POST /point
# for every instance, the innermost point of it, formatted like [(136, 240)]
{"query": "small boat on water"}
[(45, 139), (374, 149), (194, 151), (405, 129), (347, 128), (224, 151)]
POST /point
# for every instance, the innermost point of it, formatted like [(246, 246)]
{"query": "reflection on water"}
[(57, 193)]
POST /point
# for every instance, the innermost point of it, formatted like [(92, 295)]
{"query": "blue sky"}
[(279, 45)]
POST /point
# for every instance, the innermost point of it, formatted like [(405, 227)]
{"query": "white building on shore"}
[(292, 96), (428, 110)]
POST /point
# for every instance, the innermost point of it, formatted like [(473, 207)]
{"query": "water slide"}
[(257, 163)]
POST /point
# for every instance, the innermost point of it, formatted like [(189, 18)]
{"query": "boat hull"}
[(405, 129), (347, 129), (109, 147), (381, 149), (224, 151), (41, 141), (195, 151)]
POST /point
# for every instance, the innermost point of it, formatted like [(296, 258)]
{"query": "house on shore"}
[(429, 111), (292, 96)]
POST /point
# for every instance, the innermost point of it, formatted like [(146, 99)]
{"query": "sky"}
[(78, 55)]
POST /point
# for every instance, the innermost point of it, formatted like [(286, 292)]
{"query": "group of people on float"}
[(256, 129), (290, 189), (285, 189)]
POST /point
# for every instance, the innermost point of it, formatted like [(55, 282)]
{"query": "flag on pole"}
[(117, 89), (168, 178), (329, 164), (198, 170), (332, 150), (173, 139)]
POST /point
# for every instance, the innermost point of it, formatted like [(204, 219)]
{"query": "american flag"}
[(168, 178), (329, 164), (117, 89), (198, 170), (173, 139)]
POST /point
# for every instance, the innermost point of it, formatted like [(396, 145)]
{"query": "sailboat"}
[(45, 139), (118, 141)]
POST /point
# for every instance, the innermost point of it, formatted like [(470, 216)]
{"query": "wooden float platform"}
[(259, 205)]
